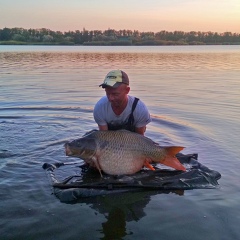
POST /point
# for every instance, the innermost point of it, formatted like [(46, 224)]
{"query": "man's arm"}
[(140, 130), (103, 127)]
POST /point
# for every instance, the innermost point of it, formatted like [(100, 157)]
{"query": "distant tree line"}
[(114, 37)]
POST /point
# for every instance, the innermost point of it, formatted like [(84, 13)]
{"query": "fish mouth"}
[(68, 151)]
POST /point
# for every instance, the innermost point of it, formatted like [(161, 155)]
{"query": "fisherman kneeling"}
[(118, 110)]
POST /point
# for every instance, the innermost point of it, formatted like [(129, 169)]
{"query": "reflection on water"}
[(60, 61), (112, 228), (119, 210)]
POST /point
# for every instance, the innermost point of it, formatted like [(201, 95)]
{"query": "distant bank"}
[(111, 37), (152, 43)]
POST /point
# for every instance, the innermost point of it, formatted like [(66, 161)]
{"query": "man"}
[(118, 110)]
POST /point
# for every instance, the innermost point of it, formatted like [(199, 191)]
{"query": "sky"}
[(142, 15)]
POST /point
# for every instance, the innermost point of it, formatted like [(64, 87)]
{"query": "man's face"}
[(117, 96)]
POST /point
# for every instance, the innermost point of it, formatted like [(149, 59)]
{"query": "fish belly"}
[(121, 163)]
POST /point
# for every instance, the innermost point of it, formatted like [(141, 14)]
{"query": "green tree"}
[(6, 34)]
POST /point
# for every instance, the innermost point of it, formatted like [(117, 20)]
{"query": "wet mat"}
[(88, 182)]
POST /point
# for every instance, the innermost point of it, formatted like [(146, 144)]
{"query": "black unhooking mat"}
[(88, 183)]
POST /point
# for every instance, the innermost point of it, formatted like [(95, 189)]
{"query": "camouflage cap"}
[(114, 79)]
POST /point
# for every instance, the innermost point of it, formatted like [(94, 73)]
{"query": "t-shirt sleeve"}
[(98, 113), (141, 115)]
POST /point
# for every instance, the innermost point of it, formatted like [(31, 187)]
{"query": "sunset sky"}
[(143, 15)]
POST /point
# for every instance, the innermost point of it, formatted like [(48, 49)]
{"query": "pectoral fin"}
[(148, 165), (95, 160)]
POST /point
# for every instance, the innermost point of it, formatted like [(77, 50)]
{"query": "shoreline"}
[(113, 44)]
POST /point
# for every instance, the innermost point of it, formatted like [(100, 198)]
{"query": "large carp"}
[(121, 152)]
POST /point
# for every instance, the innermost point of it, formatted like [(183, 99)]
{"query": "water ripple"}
[(72, 109)]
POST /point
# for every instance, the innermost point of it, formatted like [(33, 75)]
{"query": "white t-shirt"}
[(104, 115)]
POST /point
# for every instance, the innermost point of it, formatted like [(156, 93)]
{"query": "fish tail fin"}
[(171, 159), (172, 151), (148, 165)]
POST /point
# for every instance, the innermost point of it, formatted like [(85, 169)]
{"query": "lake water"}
[(47, 97)]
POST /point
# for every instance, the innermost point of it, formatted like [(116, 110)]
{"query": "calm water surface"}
[(47, 97)]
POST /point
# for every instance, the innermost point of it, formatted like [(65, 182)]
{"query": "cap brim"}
[(104, 85)]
